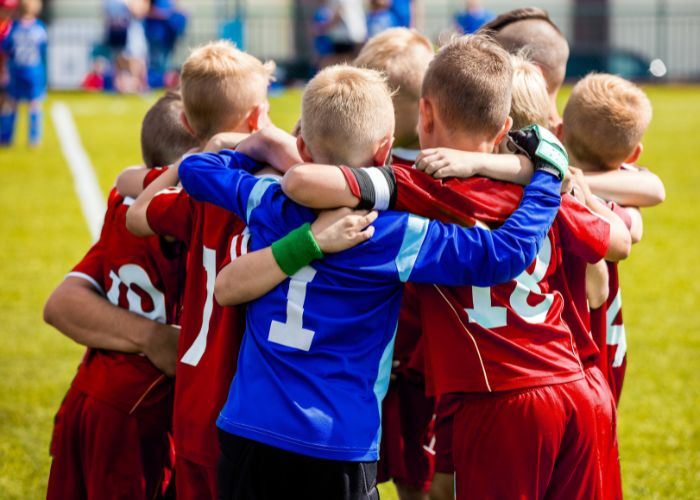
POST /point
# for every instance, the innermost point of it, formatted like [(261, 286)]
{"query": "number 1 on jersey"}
[(292, 332)]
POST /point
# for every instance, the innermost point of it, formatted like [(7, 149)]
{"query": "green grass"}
[(43, 235)]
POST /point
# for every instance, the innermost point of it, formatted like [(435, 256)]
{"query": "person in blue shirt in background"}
[(380, 17), (164, 25), (402, 10), (473, 17), (25, 47)]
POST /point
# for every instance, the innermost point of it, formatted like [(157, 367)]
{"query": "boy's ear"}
[(383, 151), (632, 158), (559, 131), (258, 118), (504, 130), (427, 117), (303, 150), (186, 124)]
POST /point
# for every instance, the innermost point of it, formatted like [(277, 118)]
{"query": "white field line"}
[(84, 178)]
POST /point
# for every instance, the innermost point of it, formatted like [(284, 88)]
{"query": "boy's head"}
[(164, 138), (224, 90), (531, 29), (403, 55), (30, 7), (530, 101), (466, 95), (346, 117), (604, 121)]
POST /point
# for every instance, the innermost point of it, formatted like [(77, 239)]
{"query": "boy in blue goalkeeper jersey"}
[(303, 414), (25, 46)]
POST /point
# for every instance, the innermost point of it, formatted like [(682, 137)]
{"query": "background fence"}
[(668, 30)]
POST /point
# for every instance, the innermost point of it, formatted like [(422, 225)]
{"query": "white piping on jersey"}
[(85, 182), (382, 195), (258, 192), (616, 333), (476, 345), (414, 235), (88, 278)]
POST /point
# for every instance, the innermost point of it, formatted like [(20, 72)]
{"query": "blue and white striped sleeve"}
[(432, 252)]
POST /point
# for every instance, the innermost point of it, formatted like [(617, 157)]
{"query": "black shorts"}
[(249, 470)]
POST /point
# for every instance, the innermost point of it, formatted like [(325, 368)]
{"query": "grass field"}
[(43, 234)]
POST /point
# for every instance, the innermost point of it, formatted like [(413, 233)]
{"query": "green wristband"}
[(296, 250)]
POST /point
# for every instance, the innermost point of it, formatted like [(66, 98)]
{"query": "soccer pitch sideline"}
[(43, 233)]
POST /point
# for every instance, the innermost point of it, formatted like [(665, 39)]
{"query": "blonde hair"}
[(530, 102), (470, 82), (605, 119), (220, 85), (403, 55), (345, 113)]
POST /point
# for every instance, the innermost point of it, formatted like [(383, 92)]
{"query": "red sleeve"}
[(622, 213), (237, 246), (351, 180), (170, 213), (153, 174), (462, 201), (583, 232)]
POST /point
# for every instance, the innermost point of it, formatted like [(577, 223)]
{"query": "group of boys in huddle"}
[(380, 280)]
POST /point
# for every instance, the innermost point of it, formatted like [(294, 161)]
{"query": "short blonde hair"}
[(605, 119), (470, 82), (220, 85), (403, 55), (345, 113), (530, 102)]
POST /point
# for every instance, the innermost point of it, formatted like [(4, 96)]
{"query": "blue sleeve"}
[(223, 179), (432, 252)]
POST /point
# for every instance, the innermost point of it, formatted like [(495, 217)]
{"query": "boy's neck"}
[(585, 166)]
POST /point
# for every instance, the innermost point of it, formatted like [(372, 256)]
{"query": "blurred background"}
[(639, 39)]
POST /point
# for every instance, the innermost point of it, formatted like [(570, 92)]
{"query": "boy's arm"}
[(452, 255), (80, 312), (136, 216), (620, 243), (597, 285), (273, 146), (130, 182), (445, 162), (628, 187), (252, 275), (637, 226), (318, 186)]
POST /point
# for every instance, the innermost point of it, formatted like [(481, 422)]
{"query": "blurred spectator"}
[(163, 25), (346, 28), (25, 46), (127, 42), (473, 17), (402, 10), (7, 8), (323, 45), (380, 17)]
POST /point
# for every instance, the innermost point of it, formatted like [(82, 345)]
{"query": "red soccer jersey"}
[(511, 335), (211, 334), (143, 275)]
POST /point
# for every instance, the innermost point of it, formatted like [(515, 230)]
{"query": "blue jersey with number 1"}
[(315, 360)]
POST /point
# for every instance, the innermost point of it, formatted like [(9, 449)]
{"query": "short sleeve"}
[(622, 213), (152, 175), (583, 232), (171, 213), (90, 268)]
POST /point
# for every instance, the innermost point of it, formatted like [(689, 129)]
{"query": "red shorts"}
[(406, 415), (102, 452), (445, 410), (606, 432), (533, 443), (194, 481)]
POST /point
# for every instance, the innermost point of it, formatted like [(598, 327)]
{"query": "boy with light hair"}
[(604, 121), (403, 55), (530, 101), (322, 383)]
